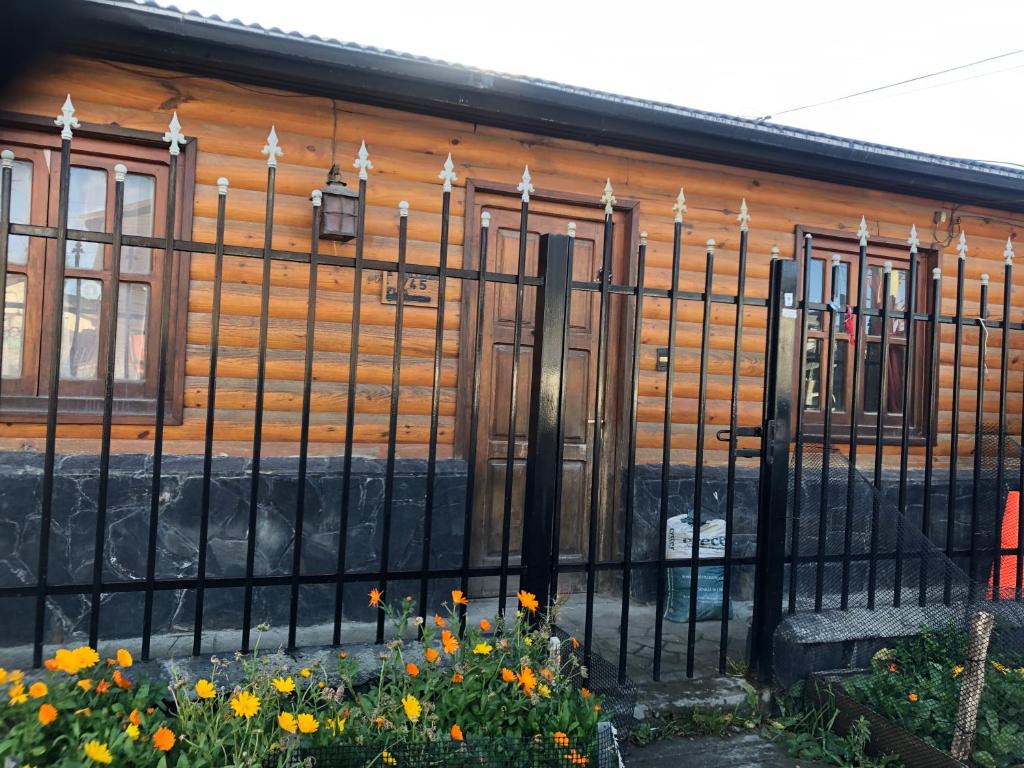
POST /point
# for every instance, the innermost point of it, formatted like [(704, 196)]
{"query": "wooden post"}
[(965, 728)]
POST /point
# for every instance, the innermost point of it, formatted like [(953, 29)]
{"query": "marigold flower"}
[(85, 684), (244, 704), (307, 723), (438, 621), (485, 625), (547, 674), (386, 758), (85, 657), (343, 655), (458, 598), (528, 640), (528, 600), (912, 696), (305, 672), (132, 730), (575, 758), (431, 655), (561, 740), (102, 686), (527, 680), (957, 670), (135, 718), (287, 722), (375, 596), (283, 684), (124, 658), (15, 676), (1000, 667), (411, 669), (121, 681), (575, 644), (448, 641), (50, 664), (16, 694), (84, 712), (597, 707), (38, 690), (585, 693), (47, 714), (507, 675), (457, 733), (98, 752), (164, 739), (65, 661), (204, 689), (893, 668), (544, 691), (3, 675), (380, 721), (412, 707), (457, 677), (482, 649)]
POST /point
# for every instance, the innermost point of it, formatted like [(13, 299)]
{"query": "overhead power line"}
[(890, 85)]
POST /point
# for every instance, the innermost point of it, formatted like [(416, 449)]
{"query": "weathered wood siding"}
[(231, 121)]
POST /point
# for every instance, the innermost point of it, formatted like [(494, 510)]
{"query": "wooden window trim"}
[(133, 403), (825, 243)]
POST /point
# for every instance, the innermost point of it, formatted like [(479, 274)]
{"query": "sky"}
[(744, 58)]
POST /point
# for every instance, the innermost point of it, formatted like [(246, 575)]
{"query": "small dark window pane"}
[(872, 373), (812, 376), (894, 388), (21, 211), (79, 346), (87, 209)]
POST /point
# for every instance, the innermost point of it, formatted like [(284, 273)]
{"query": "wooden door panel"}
[(494, 519), (575, 410), (501, 365), (507, 261), (572, 538)]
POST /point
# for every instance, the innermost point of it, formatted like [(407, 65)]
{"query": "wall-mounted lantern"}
[(341, 209)]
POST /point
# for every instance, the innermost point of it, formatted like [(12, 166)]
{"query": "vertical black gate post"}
[(774, 485), (542, 465)]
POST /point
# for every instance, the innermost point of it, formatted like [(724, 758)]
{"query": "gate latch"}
[(727, 436)]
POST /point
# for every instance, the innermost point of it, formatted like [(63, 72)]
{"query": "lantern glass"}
[(340, 212)]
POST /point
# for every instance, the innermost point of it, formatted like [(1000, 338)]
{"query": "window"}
[(823, 289), (86, 298)]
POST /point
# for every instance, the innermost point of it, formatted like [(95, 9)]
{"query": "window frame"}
[(825, 242), (24, 400)]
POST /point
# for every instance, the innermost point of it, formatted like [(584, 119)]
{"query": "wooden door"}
[(495, 392)]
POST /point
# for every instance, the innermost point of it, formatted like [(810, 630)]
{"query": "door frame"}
[(618, 382)]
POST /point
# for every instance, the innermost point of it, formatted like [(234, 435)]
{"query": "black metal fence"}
[(781, 539)]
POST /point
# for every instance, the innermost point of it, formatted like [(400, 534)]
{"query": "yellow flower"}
[(482, 649), (244, 704), (38, 690), (85, 684), (15, 676), (205, 689), (17, 694), (412, 707), (85, 657), (336, 726), (287, 722), (65, 661), (132, 730), (958, 670), (528, 640), (305, 672), (47, 714), (98, 752), (307, 723), (1000, 667), (387, 759), (283, 684), (543, 690), (3, 675), (124, 658)]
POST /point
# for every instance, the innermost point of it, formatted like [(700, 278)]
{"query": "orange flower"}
[(163, 739), (485, 625), (451, 645), (134, 718), (124, 658), (528, 600), (438, 621), (458, 598), (597, 707), (547, 674), (912, 696), (508, 675), (893, 668), (47, 714), (585, 693), (121, 681), (343, 655), (50, 664), (561, 740), (457, 733), (102, 686), (412, 669), (375, 596), (527, 680), (575, 758), (575, 644), (37, 690), (457, 678), (431, 655)]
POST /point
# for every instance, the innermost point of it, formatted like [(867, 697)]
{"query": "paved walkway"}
[(747, 749)]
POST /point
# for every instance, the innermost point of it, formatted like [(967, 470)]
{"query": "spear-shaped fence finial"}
[(526, 185), (174, 136), (362, 162), (608, 198), (271, 149), (913, 240), (1008, 253), (961, 246), (447, 174), (679, 207), (66, 120), (862, 233), (744, 217)]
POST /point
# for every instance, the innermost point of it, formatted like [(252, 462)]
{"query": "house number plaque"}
[(420, 290)]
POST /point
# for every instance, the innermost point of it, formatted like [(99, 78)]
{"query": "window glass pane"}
[(87, 209), (130, 349), (840, 290), (871, 378), (14, 325), (896, 300), (839, 366), (815, 292), (79, 346), (894, 388), (21, 210), (139, 196), (812, 376)]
